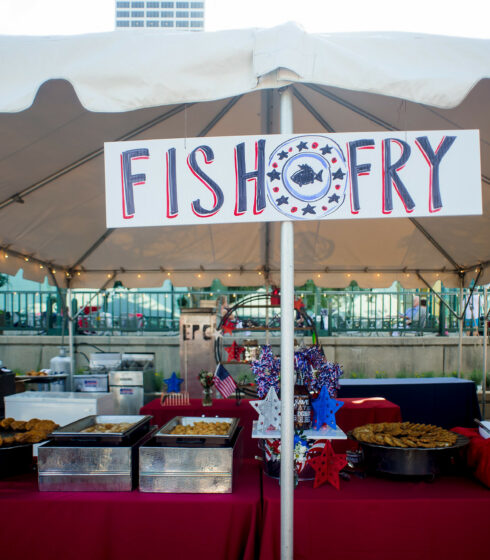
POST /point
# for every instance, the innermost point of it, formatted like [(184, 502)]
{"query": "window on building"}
[(137, 14), (197, 24), (153, 4), (152, 23), (182, 24), (122, 23), (122, 4), (167, 23), (152, 14), (182, 14), (137, 4), (197, 14), (167, 14), (197, 4), (167, 4), (122, 14), (137, 24), (182, 4)]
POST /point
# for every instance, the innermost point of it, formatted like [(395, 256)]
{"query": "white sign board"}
[(302, 177)]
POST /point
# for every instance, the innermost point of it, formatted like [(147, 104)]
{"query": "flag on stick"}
[(224, 382)]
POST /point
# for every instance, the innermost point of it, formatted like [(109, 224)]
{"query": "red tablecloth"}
[(478, 455), (129, 525), (377, 519), (355, 412)]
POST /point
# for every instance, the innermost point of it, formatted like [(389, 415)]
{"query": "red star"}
[(327, 466), (234, 352), (228, 327), (298, 304)]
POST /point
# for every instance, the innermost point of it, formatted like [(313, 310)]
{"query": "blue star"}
[(274, 175), (308, 209), (326, 150), (334, 198), (173, 383), (339, 174), (302, 146), (282, 200), (283, 155), (324, 409)]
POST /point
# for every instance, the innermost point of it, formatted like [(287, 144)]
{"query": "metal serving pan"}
[(411, 461), (73, 431), (164, 437)]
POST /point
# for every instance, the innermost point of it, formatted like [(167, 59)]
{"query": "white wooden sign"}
[(303, 177)]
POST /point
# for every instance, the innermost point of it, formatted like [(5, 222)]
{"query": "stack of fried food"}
[(405, 434), (31, 431), (203, 429)]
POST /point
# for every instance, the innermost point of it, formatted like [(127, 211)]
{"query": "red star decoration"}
[(298, 304), (235, 352), (327, 466), (228, 327)]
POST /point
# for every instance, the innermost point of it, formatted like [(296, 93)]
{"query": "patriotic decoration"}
[(173, 383), (267, 371), (269, 411), (326, 464), (224, 382), (324, 409), (235, 352), (175, 399), (317, 370)]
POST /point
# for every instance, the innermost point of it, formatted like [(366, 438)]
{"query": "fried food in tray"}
[(203, 429), (107, 428), (19, 431), (405, 434)]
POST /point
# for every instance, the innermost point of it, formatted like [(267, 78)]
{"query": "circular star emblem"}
[(307, 177)]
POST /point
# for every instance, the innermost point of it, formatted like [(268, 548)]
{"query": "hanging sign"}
[(300, 177)]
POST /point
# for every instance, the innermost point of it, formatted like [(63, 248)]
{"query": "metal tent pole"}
[(287, 360), (485, 334), (461, 320), (71, 340)]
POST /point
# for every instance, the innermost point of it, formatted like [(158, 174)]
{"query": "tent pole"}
[(485, 334), (461, 320), (71, 340), (287, 360)]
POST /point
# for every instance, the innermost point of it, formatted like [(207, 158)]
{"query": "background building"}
[(172, 16)]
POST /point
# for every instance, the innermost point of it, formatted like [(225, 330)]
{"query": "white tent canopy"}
[(62, 98)]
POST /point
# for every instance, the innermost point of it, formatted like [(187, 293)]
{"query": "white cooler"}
[(62, 408)]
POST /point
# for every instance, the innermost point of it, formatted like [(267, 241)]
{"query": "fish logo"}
[(307, 177)]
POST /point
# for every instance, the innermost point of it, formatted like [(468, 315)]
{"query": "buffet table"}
[(379, 519), (129, 525), (355, 412), (443, 401)]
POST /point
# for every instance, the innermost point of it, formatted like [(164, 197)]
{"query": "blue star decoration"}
[(334, 198), (324, 409), (269, 410), (173, 383), (283, 155), (308, 209), (282, 200), (339, 174), (274, 175), (302, 146), (326, 149)]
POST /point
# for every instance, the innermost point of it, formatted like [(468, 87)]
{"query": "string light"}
[(26, 259), (78, 273), (6, 256), (139, 275), (41, 266)]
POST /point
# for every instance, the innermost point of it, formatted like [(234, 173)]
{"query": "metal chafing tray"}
[(73, 432), (165, 437)]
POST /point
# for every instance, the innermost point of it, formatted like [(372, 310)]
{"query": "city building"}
[(171, 16)]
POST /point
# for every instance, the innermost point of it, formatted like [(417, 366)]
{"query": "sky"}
[(444, 17)]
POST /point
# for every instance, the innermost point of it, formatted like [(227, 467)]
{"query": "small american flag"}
[(224, 382)]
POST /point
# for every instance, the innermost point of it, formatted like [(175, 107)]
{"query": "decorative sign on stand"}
[(277, 177)]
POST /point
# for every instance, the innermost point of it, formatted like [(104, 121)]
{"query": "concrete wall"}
[(368, 356)]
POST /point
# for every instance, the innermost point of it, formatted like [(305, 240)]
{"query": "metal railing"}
[(334, 312)]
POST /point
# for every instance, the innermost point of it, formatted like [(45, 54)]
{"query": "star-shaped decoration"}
[(298, 304), (327, 466), (334, 198), (282, 200), (326, 149), (324, 409), (283, 155), (302, 146), (173, 383), (269, 410), (339, 174), (235, 352), (228, 327), (308, 209), (274, 175)]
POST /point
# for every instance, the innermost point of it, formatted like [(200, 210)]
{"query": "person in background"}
[(412, 313)]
